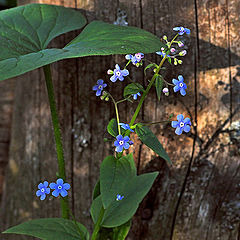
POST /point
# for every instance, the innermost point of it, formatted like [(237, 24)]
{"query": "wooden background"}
[(199, 196)]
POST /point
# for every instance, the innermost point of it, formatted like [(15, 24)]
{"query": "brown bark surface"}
[(196, 198)]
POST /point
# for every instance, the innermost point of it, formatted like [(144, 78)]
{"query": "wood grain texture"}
[(196, 198)]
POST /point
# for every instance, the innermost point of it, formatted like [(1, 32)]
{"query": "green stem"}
[(146, 92), (97, 225), (149, 86), (57, 135), (116, 110)]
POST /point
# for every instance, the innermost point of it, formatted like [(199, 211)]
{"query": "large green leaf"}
[(114, 176), (118, 176), (25, 32), (149, 139), (51, 228)]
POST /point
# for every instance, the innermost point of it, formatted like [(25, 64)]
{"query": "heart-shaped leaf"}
[(118, 176), (114, 176), (149, 139), (25, 32), (51, 228)]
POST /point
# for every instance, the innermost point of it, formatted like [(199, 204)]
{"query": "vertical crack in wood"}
[(196, 61), (229, 61)]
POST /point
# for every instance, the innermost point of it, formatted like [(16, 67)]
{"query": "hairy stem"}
[(57, 135)]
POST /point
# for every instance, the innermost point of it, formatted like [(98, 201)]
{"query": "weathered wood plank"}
[(196, 198)]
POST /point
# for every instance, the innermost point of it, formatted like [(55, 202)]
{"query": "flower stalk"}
[(57, 135)]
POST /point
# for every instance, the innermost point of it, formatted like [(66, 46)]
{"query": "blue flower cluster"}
[(135, 59), (59, 188)]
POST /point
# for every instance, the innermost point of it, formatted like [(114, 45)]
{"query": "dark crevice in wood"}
[(229, 62)]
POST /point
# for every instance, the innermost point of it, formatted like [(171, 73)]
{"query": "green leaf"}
[(159, 86), (149, 66), (96, 190), (149, 139), (121, 232), (114, 176), (51, 228), (26, 31), (112, 128), (118, 176), (100, 38), (132, 88)]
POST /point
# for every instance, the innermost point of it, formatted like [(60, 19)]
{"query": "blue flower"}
[(126, 127), (60, 188), (99, 87), (163, 54), (136, 58), (181, 125), (119, 197), (121, 143), (118, 73), (182, 30), (43, 190), (180, 85), (136, 95)]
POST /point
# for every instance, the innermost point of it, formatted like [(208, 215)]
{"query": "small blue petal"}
[(113, 78), (119, 148), (52, 185), (95, 87), (186, 128), (182, 91), (125, 72), (40, 185), (176, 28), (187, 121), (117, 67), (98, 93), (119, 137), (187, 31), (60, 181), (99, 81), (43, 196), (47, 190), (55, 193), (38, 193), (180, 77), (126, 138), (174, 124), (116, 143), (180, 117), (121, 78), (176, 88), (179, 131), (126, 145), (175, 81), (66, 186), (63, 193)]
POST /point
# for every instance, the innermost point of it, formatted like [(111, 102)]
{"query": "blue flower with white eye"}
[(135, 59), (118, 73), (43, 190), (99, 87), (136, 95), (181, 30), (180, 85), (121, 143), (60, 188), (119, 197), (126, 127), (181, 125)]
